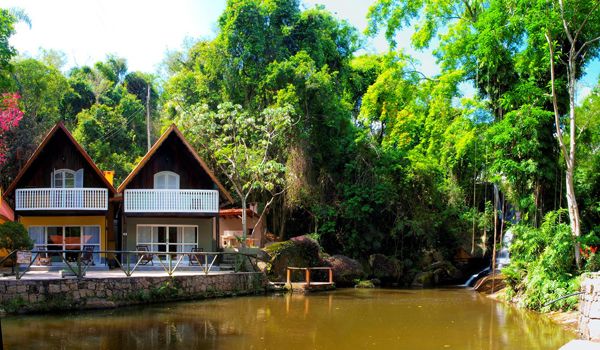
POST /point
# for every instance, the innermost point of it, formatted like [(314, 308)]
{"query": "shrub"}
[(13, 235), (543, 265)]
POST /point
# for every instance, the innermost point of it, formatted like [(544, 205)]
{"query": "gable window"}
[(166, 180), (66, 178)]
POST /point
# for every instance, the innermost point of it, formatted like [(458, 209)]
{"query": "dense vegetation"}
[(362, 150)]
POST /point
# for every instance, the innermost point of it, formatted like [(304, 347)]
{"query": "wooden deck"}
[(307, 285)]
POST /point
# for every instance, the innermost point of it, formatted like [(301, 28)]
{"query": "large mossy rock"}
[(387, 270), (438, 273), (424, 279), (345, 270), (490, 284), (301, 251), (445, 272)]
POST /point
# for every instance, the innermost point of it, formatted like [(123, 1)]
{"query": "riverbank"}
[(62, 294), (568, 320)]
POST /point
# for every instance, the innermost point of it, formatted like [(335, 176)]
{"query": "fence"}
[(79, 261)]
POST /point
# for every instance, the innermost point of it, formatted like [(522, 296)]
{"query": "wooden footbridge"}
[(307, 285)]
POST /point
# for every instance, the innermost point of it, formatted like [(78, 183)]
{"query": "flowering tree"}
[(10, 115), (243, 146)]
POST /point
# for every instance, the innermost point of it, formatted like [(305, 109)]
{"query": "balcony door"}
[(67, 179), (169, 239)]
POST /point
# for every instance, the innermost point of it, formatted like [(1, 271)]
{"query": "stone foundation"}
[(589, 308), (17, 296)]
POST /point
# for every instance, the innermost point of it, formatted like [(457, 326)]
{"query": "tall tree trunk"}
[(568, 153), (570, 160), (244, 222)]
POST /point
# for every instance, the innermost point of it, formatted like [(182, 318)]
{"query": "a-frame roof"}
[(59, 128), (175, 131)]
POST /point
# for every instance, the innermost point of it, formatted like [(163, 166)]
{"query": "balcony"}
[(172, 201), (61, 199)]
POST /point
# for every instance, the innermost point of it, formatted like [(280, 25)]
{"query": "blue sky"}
[(142, 31)]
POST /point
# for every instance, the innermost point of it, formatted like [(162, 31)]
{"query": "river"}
[(343, 319)]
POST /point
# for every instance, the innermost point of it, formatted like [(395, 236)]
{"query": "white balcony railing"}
[(61, 199), (171, 201)]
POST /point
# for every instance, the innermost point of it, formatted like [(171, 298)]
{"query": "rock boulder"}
[(345, 270)]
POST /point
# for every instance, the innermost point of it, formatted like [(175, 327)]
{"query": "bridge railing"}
[(307, 274)]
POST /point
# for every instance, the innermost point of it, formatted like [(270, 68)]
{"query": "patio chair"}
[(87, 257), (145, 258), (43, 258), (194, 258)]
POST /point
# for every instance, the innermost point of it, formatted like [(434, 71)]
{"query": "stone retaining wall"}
[(92, 293), (589, 308)]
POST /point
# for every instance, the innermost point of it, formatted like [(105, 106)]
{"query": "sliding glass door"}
[(54, 238), (171, 239)]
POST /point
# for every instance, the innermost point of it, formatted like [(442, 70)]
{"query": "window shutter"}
[(79, 178)]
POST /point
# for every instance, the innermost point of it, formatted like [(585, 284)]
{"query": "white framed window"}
[(160, 238), (166, 180), (67, 178)]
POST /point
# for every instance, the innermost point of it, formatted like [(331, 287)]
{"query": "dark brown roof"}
[(173, 130), (59, 127)]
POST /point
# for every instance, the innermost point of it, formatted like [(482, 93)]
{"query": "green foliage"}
[(364, 284), (13, 235), (168, 290), (592, 263), (111, 135), (543, 264), (14, 305), (587, 174)]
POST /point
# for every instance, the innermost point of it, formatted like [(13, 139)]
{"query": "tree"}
[(8, 19), (242, 147), (41, 89), (13, 235), (581, 25), (587, 172), (10, 115)]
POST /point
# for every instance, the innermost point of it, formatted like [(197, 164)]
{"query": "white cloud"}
[(140, 31)]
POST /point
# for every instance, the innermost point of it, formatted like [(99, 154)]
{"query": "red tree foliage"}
[(10, 115)]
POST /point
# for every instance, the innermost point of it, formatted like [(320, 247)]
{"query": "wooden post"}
[(307, 277), (289, 273), (330, 275)]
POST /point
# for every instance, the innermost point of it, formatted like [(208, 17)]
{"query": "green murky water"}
[(344, 319)]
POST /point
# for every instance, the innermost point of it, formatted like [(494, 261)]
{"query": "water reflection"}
[(345, 319)]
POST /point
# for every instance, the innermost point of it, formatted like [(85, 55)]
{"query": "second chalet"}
[(171, 200)]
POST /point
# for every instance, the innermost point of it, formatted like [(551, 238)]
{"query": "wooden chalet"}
[(62, 198), (171, 200)]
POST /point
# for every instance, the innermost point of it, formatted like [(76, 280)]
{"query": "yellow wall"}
[(68, 221)]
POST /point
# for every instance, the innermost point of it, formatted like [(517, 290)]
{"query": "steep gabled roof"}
[(59, 128), (175, 131)]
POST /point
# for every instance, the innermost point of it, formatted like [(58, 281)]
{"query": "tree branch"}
[(554, 100), (564, 21), (585, 20), (586, 44)]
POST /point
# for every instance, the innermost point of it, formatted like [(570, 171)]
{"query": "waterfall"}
[(503, 257)]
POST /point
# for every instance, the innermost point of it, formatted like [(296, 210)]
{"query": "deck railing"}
[(171, 201), (61, 199), (78, 261)]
